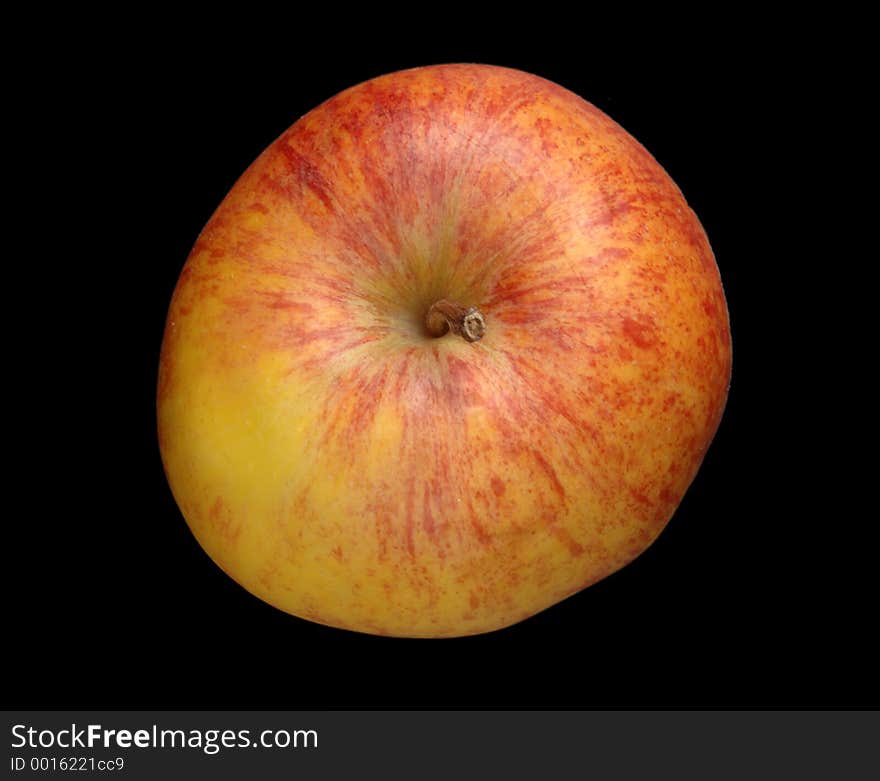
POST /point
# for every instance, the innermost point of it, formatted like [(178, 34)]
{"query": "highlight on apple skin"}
[(338, 443)]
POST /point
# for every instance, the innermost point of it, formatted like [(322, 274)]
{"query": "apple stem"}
[(466, 322)]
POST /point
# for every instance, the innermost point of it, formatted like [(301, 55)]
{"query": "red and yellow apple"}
[(351, 451)]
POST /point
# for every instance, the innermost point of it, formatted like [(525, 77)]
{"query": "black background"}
[(759, 592)]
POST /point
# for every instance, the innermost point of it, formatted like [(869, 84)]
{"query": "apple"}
[(452, 349)]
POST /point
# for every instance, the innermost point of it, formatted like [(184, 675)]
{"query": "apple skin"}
[(346, 467)]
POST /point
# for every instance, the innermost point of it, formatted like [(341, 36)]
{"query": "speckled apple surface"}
[(347, 467)]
